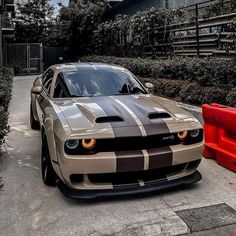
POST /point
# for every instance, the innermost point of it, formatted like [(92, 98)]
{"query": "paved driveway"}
[(27, 207)]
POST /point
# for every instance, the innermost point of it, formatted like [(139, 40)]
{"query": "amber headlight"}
[(88, 143), (183, 135), (72, 144)]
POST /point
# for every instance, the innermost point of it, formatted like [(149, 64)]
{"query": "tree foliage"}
[(35, 19), (78, 24)]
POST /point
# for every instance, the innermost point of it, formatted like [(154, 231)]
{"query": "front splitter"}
[(149, 187)]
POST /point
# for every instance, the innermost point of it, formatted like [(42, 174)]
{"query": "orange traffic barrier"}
[(220, 134)]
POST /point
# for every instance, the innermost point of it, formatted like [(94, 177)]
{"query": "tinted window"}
[(101, 82)]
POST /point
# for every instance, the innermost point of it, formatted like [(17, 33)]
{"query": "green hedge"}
[(6, 78), (188, 92), (191, 80)]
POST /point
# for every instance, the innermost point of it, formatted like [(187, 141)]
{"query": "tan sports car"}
[(104, 134)]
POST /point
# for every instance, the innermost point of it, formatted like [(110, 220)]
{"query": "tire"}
[(34, 124), (48, 174)]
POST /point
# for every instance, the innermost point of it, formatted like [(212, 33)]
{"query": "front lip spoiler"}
[(131, 190)]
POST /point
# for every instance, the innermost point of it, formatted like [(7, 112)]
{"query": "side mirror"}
[(149, 85), (37, 90)]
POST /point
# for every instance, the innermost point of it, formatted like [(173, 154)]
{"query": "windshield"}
[(101, 82)]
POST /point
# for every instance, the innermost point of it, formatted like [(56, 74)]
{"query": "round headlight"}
[(72, 144), (194, 133), (182, 135), (88, 143)]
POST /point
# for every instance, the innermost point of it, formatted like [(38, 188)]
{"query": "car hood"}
[(121, 111)]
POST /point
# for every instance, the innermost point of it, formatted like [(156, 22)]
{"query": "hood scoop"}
[(108, 119), (161, 115)]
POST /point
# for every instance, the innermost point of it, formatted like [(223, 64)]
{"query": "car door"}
[(43, 98)]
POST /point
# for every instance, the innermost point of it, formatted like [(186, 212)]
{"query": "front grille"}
[(135, 176), (136, 143)]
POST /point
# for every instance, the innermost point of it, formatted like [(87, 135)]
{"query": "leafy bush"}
[(231, 98), (129, 32), (18, 69), (188, 92), (6, 76)]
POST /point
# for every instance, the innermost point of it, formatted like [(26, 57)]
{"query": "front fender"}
[(48, 128), (33, 107)]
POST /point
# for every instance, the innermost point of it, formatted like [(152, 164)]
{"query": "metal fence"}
[(214, 36), (25, 58)]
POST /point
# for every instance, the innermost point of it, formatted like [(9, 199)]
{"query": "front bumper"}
[(132, 189), (124, 162)]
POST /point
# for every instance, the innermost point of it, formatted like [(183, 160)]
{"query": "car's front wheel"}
[(48, 174), (34, 124)]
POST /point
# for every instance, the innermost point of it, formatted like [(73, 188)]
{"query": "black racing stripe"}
[(160, 157), (112, 108), (157, 128), (129, 161), (141, 110), (126, 131)]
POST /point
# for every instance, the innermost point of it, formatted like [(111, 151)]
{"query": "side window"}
[(61, 90), (47, 80)]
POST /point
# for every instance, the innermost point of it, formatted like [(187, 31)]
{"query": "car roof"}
[(85, 65)]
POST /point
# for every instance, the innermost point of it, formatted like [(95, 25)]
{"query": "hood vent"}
[(108, 119), (162, 115)]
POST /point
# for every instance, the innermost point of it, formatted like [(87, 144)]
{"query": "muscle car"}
[(104, 134)]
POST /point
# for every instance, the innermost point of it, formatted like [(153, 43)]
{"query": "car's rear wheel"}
[(48, 174), (33, 123)]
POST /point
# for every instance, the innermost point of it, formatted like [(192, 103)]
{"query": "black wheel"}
[(48, 174), (33, 123)]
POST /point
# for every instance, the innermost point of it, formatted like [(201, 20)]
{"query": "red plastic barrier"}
[(220, 134)]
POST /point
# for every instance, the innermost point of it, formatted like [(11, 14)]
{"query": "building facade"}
[(132, 6), (7, 11), (112, 2)]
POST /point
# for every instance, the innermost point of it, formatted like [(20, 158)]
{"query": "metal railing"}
[(214, 36)]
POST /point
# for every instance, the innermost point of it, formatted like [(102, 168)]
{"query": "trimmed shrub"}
[(6, 78), (188, 92), (231, 98)]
